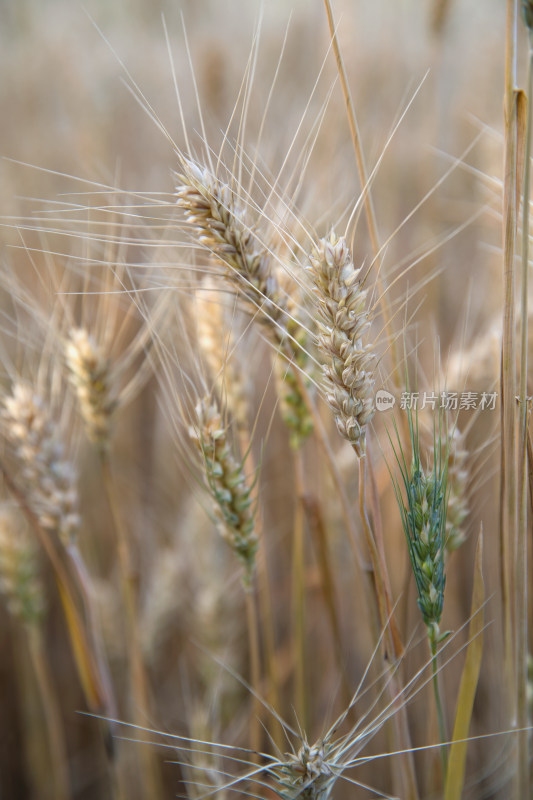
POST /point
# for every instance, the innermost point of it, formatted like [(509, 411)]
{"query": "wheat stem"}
[(521, 574), (255, 672), (265, 603), (56, 739), (130, 588), (298, 592), (508, 508), (392, 637), (315, 522), (438, 702)]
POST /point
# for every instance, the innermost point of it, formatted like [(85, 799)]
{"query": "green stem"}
[(440, 714), (391, 640), (255, 673)]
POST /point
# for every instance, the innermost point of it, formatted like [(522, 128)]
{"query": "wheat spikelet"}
[(227, 485), (19, 569), (90, 374), (44, 474), (343, 321)]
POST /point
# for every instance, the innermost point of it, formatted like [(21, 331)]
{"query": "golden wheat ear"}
[(221, 224), (227, 485), (45, 474), (348, 379), (89, 372)]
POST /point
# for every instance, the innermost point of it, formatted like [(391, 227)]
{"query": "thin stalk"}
[(138, 677), (508, 494), (255, 673), (382, 582), (392, 642), (522, 555), (438, 703), (265, 606), (319, 536), (367, 570), (54, 727), (298, 592), (83, 583), (331, 463)]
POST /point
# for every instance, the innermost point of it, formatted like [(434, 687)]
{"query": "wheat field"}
[(265, 513)]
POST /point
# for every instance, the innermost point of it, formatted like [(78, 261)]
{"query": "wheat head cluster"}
[(265, 455)]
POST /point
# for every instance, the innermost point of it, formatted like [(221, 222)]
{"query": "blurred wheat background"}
[(162, 384)]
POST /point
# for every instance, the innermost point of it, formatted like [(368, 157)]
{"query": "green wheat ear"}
[(422, 504)]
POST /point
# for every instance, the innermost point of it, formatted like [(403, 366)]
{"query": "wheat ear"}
[(423, 513), (234, 509), (227, 485), (89, 372), (348, 379), (220, 222), (45, 490), (45, 476)]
